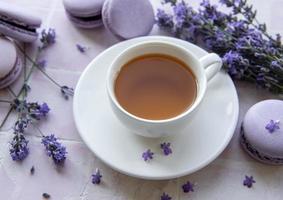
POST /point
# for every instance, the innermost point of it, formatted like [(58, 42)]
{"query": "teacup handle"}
[(212, 64)]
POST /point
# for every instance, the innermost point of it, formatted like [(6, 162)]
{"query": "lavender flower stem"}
[(6, 117), (35, 64), (6, 101)]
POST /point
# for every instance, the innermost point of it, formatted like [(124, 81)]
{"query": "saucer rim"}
[(152, 177)]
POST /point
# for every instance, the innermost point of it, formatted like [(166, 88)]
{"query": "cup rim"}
[(175, 118)]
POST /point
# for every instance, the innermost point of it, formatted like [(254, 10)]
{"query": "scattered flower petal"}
[(46, 195), (147, 155), (188, 187), (32, 170), (81, 48), (165, 197), (248, 182), (41, 63), (166, 148), (272, 126), (96, 177)]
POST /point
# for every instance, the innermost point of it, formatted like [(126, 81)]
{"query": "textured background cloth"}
[(222, 179)]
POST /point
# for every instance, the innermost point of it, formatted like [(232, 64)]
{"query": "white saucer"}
[(200, 144)]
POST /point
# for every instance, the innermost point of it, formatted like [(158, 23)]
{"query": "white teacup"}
[(204, 69)]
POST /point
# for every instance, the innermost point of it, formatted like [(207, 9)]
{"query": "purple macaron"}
[(262, 132), (84, 13), (128, 18), (10, 63), (18, 23)]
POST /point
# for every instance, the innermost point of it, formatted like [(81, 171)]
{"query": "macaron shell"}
[(8, 56), (254, 153), (258, 136), (127, 18), (12, 11), (17, 34), (83, 8), (85, 24), (13, 75)]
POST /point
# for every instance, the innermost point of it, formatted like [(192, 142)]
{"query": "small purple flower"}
[(19, 147), (67, 92), (54, 149), (166, 148), (81, 48), (272, 126), (96, 177), (41, 63), (188, 187), (249, 180), (165, 197), (147, 155), (48, 37), (44, 109)]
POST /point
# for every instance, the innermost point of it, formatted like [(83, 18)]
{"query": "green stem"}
[(26, 78), (38, 130), (6, 101), (39, 68)]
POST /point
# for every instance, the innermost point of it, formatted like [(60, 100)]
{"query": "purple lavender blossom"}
[(43, 109), (166, 148), (41, 63), (147, 155), (248, 182), (188, 187), (81, 48), (30, 111), (180, 11), (54, 149), (163, 19), (48, 37), (272, 126), (165, 197), (96, 177), (248, 51), (19, 147)]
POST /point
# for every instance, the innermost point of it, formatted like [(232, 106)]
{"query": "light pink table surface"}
[(222, 179)]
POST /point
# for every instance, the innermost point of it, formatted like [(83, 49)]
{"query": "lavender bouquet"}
[(248, 51)]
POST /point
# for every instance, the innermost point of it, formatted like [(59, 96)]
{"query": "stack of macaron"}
[(125, 19), (262, 132), (10, 63), (18, 24)]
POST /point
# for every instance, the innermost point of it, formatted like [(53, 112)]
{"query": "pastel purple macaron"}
[(10, 63), (262, 132), (18, 23), (84, 13), (128, 18)]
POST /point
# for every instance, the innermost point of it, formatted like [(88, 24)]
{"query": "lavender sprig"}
[(54, 149), (19, 147), (248, 52), (48, 37)]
